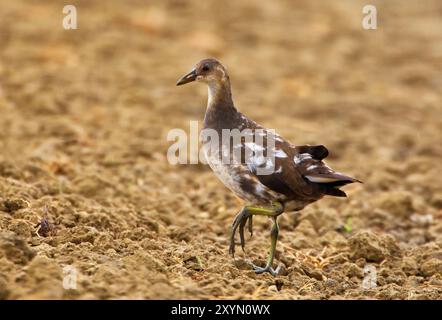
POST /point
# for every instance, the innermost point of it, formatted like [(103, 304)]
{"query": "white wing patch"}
[(298, 158), (280, 153), (321, 179), (312, 167)]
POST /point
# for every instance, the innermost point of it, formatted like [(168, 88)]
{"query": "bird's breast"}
[(237, 176)]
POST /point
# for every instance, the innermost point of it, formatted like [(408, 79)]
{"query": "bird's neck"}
[(220, 108)]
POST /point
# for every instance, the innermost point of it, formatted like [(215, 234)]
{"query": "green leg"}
[(246, 214), (274, 239)]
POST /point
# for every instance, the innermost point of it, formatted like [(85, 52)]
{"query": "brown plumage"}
[(298, 174)]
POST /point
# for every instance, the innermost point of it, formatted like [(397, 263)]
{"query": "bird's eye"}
[(206, 67)]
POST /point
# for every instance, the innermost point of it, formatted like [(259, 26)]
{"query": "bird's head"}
[(210, 71)]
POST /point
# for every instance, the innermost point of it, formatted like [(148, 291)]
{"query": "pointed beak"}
[(191, 76)]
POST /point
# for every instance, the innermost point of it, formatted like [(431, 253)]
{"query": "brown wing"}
[(302, 174), (312, 168), (287, 177), (318, 152), (299, 172)]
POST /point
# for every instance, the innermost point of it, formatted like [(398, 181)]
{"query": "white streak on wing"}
[(280, 153), (312, 167), (321, 179), (298, 158)]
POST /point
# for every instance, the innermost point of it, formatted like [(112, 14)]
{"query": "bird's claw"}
[(267, 268), (240, 222)]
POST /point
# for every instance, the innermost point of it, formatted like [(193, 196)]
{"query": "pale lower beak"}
[(191, 76)]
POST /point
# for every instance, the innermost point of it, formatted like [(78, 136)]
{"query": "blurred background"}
[(84, 119)]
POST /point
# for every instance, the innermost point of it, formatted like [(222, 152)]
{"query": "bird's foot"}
[(240, 222), (267, 268)]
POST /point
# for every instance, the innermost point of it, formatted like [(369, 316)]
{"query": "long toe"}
[(251, 225), (239, 222), (269, 269), (235, 226), (241, 232), (232, 245)]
